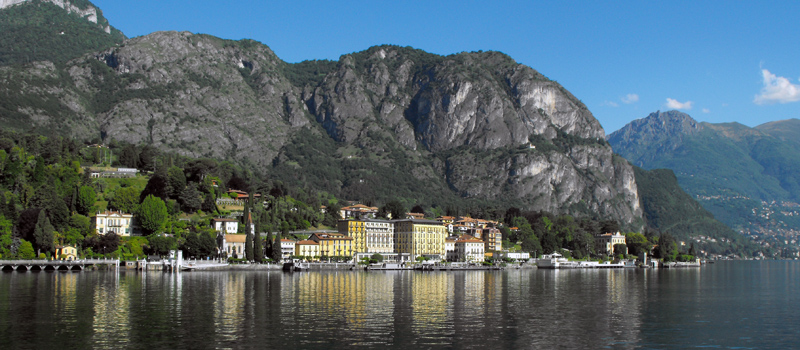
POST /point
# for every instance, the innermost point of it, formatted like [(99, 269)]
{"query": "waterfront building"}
[(606, 242), (356, 229), (420, 238), (287, 248), (469, 249), (113, 221), (333, 244), (66, 253), (233, 245), (516, 256), (307, 248), (380, 236), (369, 235), (450, 248)]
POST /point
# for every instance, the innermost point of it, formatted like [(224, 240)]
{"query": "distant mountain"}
[(786, 130), (667, 208), (52, 30), (746, 177)]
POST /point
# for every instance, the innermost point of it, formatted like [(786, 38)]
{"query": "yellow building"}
[(66, 253), (420, 238), (113, 221), (369, 235), (308, 249), (357, 230), (333, 244)]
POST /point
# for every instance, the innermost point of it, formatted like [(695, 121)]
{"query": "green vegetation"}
[(43, 31), (668, 209)]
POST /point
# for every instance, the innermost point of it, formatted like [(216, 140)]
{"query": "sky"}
[(718, 61)]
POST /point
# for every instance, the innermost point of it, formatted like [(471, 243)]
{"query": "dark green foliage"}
[(152, 214), (191, 198), (33, 32), (200, 244), (125, 199), (43, 234), (667, 248), (306, 73), (396, 209), (258, 248), (85, 201), (104, 244)]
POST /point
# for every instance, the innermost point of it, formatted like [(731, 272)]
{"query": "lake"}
[(731, 304)]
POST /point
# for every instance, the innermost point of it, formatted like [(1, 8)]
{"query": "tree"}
[(248, 247), (125, 199), (176, 182), (190, 198), (156, 186), (418, 209), (160, 245), (152, 214), (667, 247), (25, 250), (637, 243), (620, 249), (258, 248), (277, 254), (209, 203), (396, 209), (200, 244), (85, 201), (377, 257), (43, 234)]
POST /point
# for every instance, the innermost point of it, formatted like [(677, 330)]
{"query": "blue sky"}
[(719, 61)]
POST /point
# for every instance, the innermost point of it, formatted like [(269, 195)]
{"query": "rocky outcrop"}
[(487, 127)]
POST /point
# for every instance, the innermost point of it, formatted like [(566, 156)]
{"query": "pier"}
[(54, 265)]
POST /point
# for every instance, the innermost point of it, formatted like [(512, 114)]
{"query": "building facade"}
[(606, 242), (226, 225), (233, 245), (308, 249), (113, 221), (469, 249), (356, 229), (287, 248), (420, 238), (333, 244)]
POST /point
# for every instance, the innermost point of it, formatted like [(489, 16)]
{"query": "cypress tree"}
[(276, 247), (248, 247), (258, 248)]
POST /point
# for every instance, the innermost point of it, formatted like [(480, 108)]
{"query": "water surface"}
[(725, 305)]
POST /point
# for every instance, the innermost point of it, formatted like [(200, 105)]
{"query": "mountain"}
[(786, 130), (388, 122), (53, 30), (746, 177), (667, 208)]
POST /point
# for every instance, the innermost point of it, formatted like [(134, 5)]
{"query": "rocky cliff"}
[(474, 125)]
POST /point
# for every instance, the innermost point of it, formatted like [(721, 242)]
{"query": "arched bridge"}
[(53, 265)]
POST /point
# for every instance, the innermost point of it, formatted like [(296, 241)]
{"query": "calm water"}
[(724, 305)]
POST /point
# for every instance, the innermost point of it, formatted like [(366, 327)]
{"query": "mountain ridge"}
[(743, 175)]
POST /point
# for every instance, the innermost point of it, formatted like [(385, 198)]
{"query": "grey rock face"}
[(470, 120)]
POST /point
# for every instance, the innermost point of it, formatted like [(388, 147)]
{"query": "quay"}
[(55, 265)]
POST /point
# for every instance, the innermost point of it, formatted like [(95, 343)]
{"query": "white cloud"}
[(706, 110), (674, 104), (777, 89), (630, 98), (610, 104)]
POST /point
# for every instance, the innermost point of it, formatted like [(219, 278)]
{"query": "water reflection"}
[(402, 309)]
